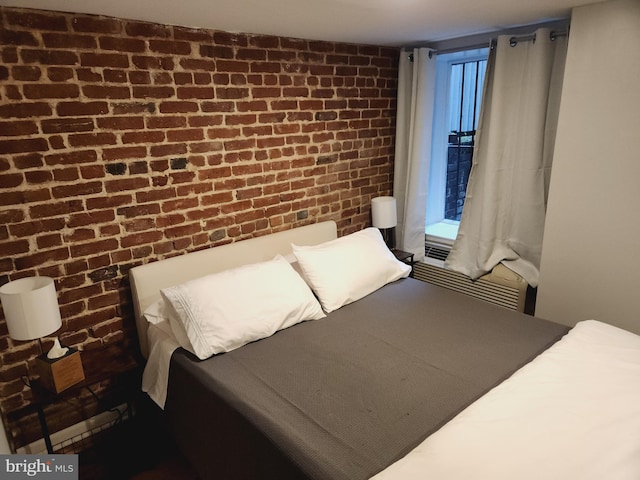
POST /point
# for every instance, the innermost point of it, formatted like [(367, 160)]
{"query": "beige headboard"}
[(147, 280)]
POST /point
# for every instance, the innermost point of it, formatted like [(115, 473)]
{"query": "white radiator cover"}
[(501, 287)]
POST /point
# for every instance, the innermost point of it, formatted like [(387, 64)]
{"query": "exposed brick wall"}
[(124, 142)]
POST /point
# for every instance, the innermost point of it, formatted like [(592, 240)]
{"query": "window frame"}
[(437, 228)]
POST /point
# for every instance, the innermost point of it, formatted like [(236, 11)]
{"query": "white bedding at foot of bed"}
[(572, 413)]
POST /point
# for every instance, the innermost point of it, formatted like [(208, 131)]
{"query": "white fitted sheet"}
[(572, 413)]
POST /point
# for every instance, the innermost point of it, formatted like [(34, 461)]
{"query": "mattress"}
[(346, 396)]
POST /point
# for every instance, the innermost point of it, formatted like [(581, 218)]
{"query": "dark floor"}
[(136, 449)]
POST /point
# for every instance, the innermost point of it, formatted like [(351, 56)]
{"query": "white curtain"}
[(505, 205), (416, 94)]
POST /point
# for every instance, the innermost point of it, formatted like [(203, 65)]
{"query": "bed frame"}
[(147, 280), (248, 413)]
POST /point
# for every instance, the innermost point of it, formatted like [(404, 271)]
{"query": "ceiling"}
[(376, 22)]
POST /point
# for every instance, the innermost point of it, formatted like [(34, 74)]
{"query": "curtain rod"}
[(513, 41)]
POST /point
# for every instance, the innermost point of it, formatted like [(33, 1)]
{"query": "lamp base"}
[(58, 374), (389, 236)]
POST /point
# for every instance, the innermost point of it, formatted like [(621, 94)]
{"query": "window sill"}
[(444, 232)]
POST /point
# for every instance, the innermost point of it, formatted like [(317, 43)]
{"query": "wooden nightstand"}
[(406, 257)]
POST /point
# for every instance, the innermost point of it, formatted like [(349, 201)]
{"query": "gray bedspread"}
[(344, 397)]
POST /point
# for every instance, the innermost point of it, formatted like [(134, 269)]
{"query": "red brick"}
[(67, 125), (232, 66), (66, 40), (153, 92), (17, 37), (167, 149), (53, 90), (132, 45), (15, 128), (192, 34), (23, 145), (26, 73), (195, 92), (33, 177), (74, 157), (121, 123), (208, 107), (265, 67), (115, 75), (67, 174), (42, 257), (36, 21), (91, 139), (192, 134), (240, 119), (154, 136), (49, 57), (144, 238), (111, 201), (153, 62), (205, 121), (133, 108), (119, 153), (89, 75), (76, 189), (113, 186), (178, 107), (216, 51), (49, 241), (102, 91), (138, 78), (59, 74), (94, 24), (170, 47), (141, 29), (91, 248), (95, 217)]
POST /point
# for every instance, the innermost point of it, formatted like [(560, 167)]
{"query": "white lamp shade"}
[(383, 212), (30, 307)]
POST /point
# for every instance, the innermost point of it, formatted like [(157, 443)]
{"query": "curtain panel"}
[(416, 95), (504, 212)]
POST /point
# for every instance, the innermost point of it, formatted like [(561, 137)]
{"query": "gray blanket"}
[(344, 397)]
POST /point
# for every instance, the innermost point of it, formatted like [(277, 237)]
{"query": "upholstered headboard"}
[(147, 280)]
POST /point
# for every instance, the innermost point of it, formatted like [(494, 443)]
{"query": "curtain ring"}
[(513, 41)]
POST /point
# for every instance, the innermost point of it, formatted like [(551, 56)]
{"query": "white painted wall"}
[(591, 251)]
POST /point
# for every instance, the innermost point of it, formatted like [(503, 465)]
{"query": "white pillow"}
[(223, 311), (348, 268)]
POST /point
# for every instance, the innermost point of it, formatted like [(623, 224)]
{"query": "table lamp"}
[(385, 217), (31, 310)]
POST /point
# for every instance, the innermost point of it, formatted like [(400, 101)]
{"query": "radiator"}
[(501, 287)]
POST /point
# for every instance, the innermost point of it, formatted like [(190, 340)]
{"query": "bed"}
[(373, 374)]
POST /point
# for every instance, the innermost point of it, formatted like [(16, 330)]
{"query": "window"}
[(459, 80)]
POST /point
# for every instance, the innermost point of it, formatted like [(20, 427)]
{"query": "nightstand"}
[(406, 257), (112, 363)]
